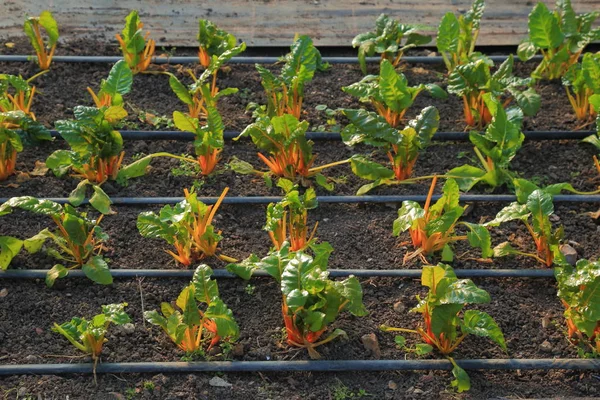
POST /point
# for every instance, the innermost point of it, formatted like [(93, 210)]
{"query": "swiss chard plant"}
[(402, 146), (445, 324), (457, 36), (43, 49), (432, 227), (89, 336), (495, 148), (136, 47), (389, 93), (112, 89), (16, 93), (533, 207), (579, 292), (387, 39), (78, 240), (17, 130), (560, 36), (289, 153), (582, 81), (212, 41), (287, 220), (473, 80), (201, 316), (187, 226), (595, 139), (311, 301), (285, 93)]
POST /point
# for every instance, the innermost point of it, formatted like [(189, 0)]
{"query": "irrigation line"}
[(239, 200), (290, 366), (237, 60), (327, 136), (337, 273)]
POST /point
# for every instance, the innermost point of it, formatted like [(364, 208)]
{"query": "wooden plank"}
[(268, 22)]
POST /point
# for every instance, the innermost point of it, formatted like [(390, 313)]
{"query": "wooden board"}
[(268, 23)]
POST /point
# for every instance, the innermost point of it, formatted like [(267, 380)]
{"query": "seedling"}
[(33, 29), (457, 36), (16, 94), (192, 327), (559, 35), (290, 215), (187, 226), (285, 93), (578, 291), (137, 49), (432, 228), (473, 81), (386, 40), (89, 335), (118, 83), (443, 327), (582, 81), (402, 147), (212, 41), (495, 148), (79, 240), (389, 93), (311, 301)]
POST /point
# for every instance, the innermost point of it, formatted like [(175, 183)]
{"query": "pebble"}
[(546, 347), (554, 218), (570, 253), (392, 385), (371, 344), (214, 351), (22, 392), (238, 350), (219, 382), (418, 391), (545, 322), (399, 307), (128, 328), (31, 357), (4, 292)]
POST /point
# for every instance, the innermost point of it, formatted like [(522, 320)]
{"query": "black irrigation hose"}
[(323, 136), (314, 366), (488, 198), (236, 60), (339, 273)]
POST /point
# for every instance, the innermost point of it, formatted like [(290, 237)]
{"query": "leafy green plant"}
[(137, 48), (90, 335), (473, 80), (16, 93), (578, 291), (386, 40), (495, 148), (389, 93), (311, 301), (559, 35), (432, 228), (192, 327), (533, 207), (457, 36), (444, 328), (79, 239), (118, 83), (290, 216), (33, 29), (212, 41), (285, 93), (17, 130), (595, 139), (402, 147), (290, 153), (581, 81), (187, 226)]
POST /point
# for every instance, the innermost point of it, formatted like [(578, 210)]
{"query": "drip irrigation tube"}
[(327, 136), (488, 198), (237, 60), (338, 273), (314, 366)]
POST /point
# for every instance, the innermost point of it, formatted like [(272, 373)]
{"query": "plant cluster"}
[(137, 48), (33, 29)]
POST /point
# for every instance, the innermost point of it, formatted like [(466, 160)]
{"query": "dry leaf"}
[(22, 177), (40, 169), (10, 45)]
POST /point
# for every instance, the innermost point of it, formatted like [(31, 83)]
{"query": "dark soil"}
[(360, 234)]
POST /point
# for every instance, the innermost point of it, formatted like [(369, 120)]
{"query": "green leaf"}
[(245, 268), (352, 292), (462, 382), (32, 204), (35, 243), (433, 274), (9, 248), (526, 50), (321, 180), (100, 200), (240, 166), (544, 29), (481, 324), (120, 79), (206, 289), (180, 90), (76, 229), (366, 169), (479, 236), (448, 34), (408, 215), (96, 269), (50, 25), (466, 176), (421, 349), (135, 169), (56, 272), (185, 123), (464, 291), (222, 316), (504, 249)]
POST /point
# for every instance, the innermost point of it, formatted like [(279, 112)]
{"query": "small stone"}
[(214, 351), (39, 331), (554, 218), (238, 350), (160, 378), (31, 357), (371, 344), (570, 253), (68, 295), (219, 382), (128, 328), (418, 391), (22, 392), (545, 322), (399, 307), (546, 347), (392, 385), (4, 292)]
